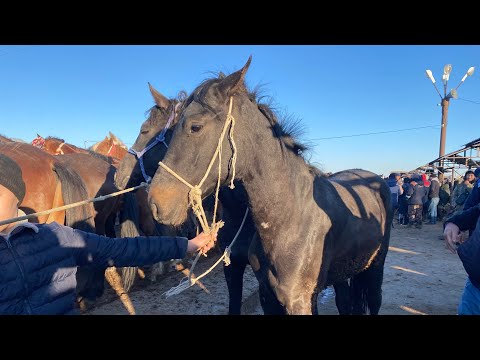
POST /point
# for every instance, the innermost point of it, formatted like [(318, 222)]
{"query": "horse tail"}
[(129, 227), (73, 190)]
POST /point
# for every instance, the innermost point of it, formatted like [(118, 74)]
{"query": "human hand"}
[(202, 242), (452, 236)]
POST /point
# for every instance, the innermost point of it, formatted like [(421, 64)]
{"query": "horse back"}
[(38, 175)]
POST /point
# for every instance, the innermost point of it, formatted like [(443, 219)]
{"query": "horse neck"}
[(275, 178)]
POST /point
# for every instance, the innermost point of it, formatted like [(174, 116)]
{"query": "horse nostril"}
[(154, 210)]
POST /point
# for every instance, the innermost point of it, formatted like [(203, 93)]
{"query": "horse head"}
[(204, 126), (141, 161)]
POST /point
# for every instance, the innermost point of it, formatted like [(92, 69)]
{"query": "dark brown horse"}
[(141, 163), (314, 230), (98, 175)]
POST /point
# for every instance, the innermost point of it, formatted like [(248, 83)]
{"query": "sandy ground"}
[(421, 278)]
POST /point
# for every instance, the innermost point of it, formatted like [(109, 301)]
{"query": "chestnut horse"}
[(111, 146), (56, 146), (5, 139), (50, 184)]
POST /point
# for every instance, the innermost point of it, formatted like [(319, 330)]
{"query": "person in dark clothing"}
[(469, 253), (38, 262), (396, 189), (474, 197), (416, 194)]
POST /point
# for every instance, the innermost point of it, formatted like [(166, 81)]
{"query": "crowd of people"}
[(432, 198), (458, 205)]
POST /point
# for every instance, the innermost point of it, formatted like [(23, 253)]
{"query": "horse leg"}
[(268, 300), (315, 302), (367, 291), (343, 298), (234, 277), (257, 260)]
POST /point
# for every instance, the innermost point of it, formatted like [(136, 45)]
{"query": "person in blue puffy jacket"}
[(38, 262)]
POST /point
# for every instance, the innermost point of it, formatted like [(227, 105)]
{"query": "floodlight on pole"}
[(469, 73), (430, 76), (447, 69)]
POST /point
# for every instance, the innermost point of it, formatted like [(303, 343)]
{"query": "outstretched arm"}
[(131, 251)]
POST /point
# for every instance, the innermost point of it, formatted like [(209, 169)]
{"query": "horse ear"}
[(160, 100), (235, 82)]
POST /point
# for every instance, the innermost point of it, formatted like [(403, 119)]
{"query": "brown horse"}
[(98, 175), (56, 146), (5, 139), (50, 184), (111, 146)]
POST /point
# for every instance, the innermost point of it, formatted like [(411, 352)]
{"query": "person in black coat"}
[(38, 262), (469, 253)]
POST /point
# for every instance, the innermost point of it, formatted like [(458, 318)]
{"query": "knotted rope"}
[(195, 201)]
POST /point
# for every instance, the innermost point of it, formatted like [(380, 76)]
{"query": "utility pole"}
[(445, 102)]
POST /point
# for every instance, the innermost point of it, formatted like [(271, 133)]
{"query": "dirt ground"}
[(421, 278)]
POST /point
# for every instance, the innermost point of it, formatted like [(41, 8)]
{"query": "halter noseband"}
[(160, 138)]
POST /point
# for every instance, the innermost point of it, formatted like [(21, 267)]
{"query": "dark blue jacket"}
[(38, 263), (394, 191), (469, 251), (474, 197)]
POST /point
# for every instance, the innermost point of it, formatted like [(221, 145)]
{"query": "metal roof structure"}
[(465, 158)]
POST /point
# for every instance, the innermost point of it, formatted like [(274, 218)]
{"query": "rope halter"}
[(160, 138), (195, 197)]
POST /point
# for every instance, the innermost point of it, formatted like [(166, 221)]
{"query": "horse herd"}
[(305, 230)]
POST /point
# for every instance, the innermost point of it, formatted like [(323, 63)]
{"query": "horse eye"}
[(144, 131), (195, 128)]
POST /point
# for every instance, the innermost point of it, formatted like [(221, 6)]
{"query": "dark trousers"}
[(415, 213)]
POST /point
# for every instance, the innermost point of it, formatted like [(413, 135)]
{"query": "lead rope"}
[(195, 201)]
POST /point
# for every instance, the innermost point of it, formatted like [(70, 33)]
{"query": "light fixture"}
[(430, 75)]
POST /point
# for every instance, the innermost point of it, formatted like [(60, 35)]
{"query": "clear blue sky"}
[(79, 93)]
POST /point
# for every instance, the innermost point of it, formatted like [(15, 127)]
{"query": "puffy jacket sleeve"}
[(102, 251), (474, 197), (467, 219)]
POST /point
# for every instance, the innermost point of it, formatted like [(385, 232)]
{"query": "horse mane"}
[(108, 159), (5, 138), (286, 127), (54, 138)]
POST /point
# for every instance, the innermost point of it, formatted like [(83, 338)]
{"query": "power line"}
[(475, 102), (376, 133)]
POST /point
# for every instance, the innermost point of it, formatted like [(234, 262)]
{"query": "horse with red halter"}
[(111, 146), (57, 146)]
